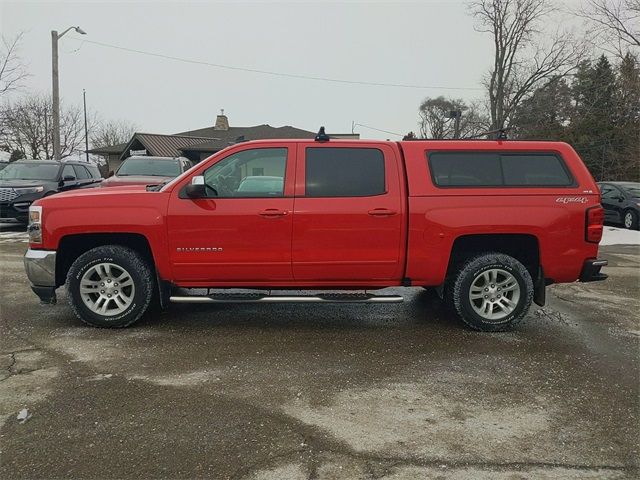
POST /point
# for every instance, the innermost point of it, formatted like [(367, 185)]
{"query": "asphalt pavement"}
[(393, 391)]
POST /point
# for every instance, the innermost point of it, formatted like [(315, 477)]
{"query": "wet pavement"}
[(393, 391)]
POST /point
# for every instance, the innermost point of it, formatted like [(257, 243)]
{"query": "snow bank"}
[(620, 236)]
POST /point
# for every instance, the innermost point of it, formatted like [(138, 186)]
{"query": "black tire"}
[(633, 225), (122, 257), (475, 267)]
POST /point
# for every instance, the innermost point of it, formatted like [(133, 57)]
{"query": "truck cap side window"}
[(493, 169), (344, 172), (254, 173)]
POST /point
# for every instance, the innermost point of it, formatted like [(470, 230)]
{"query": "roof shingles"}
[(204, 139)]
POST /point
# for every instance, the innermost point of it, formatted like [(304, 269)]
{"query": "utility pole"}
[(86, 130), (55, 94)]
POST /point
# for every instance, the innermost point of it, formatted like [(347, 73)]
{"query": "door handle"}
[(273, 212), (382, 212)]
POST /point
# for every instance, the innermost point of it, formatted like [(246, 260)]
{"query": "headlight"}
[(35, 224), (25, 190)]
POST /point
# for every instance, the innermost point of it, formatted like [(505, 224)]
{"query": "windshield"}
[(150, 167), (30, 171), (633, 189)]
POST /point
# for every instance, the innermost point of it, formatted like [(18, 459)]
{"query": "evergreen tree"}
[(594, 122), (628, 118), (545, 115)]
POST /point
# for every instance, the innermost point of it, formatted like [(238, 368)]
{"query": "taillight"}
[(594, 221)]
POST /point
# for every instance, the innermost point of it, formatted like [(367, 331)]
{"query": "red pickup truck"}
[(487, 223)]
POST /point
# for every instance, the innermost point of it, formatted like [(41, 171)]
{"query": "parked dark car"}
[(145, 170), (25, 181), (621, 203)]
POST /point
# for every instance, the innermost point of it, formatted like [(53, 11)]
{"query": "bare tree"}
[(522, 60), (615, 24), (27, 128), (437, 119), (111, 132), (12, 69)]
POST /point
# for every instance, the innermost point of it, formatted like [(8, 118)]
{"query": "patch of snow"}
[(620, 236)]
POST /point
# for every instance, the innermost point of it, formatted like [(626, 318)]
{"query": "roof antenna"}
[(322, 136)]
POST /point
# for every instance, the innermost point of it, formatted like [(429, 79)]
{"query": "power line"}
[(377, 129), (269, 72)]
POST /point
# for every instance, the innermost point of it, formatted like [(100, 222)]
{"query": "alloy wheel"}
[(494, 294), (107, 289)]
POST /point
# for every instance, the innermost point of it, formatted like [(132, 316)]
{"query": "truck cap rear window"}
[(496, 169)]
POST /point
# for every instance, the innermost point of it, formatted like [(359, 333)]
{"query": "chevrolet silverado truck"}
[(487, 223)]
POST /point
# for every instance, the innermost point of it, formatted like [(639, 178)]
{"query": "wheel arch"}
[(72, 246), (523, 247)]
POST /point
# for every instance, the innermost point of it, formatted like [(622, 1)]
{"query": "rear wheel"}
[(492, 292), (630, 220), (110, 286)]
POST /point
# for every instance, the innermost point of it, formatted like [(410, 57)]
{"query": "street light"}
[(56, 92)]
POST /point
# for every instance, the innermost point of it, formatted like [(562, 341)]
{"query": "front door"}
[(242, 231), (348, 215)]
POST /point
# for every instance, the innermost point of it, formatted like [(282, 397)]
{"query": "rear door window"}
[(81, 172), (493, 169), (344, 172), (93, 170)]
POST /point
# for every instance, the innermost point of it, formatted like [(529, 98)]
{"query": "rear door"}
[(82, 175), (348, 214)]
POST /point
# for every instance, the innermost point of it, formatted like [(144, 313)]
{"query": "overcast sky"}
[(427, 43)]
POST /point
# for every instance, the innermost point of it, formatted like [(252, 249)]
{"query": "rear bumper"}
[(40, 266), (591, 270)]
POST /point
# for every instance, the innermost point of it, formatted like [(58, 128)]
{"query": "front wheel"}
[(110, 286), (492, 292), (630, 220)]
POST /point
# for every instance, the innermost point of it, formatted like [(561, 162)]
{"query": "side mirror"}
[(68, 178), (197, 188)]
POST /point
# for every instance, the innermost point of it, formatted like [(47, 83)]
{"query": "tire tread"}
[(138, 263), (482, 260)]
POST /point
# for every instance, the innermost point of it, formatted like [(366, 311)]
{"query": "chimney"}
[(222, 122)]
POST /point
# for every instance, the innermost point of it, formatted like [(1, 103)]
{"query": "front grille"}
[(7, 194)]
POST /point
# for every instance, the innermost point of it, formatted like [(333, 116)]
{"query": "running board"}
[(326, 298)]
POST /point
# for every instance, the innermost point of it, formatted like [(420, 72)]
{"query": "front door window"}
[(256, 173)]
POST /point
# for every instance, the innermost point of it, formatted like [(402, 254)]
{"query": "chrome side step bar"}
[(327, 298)]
